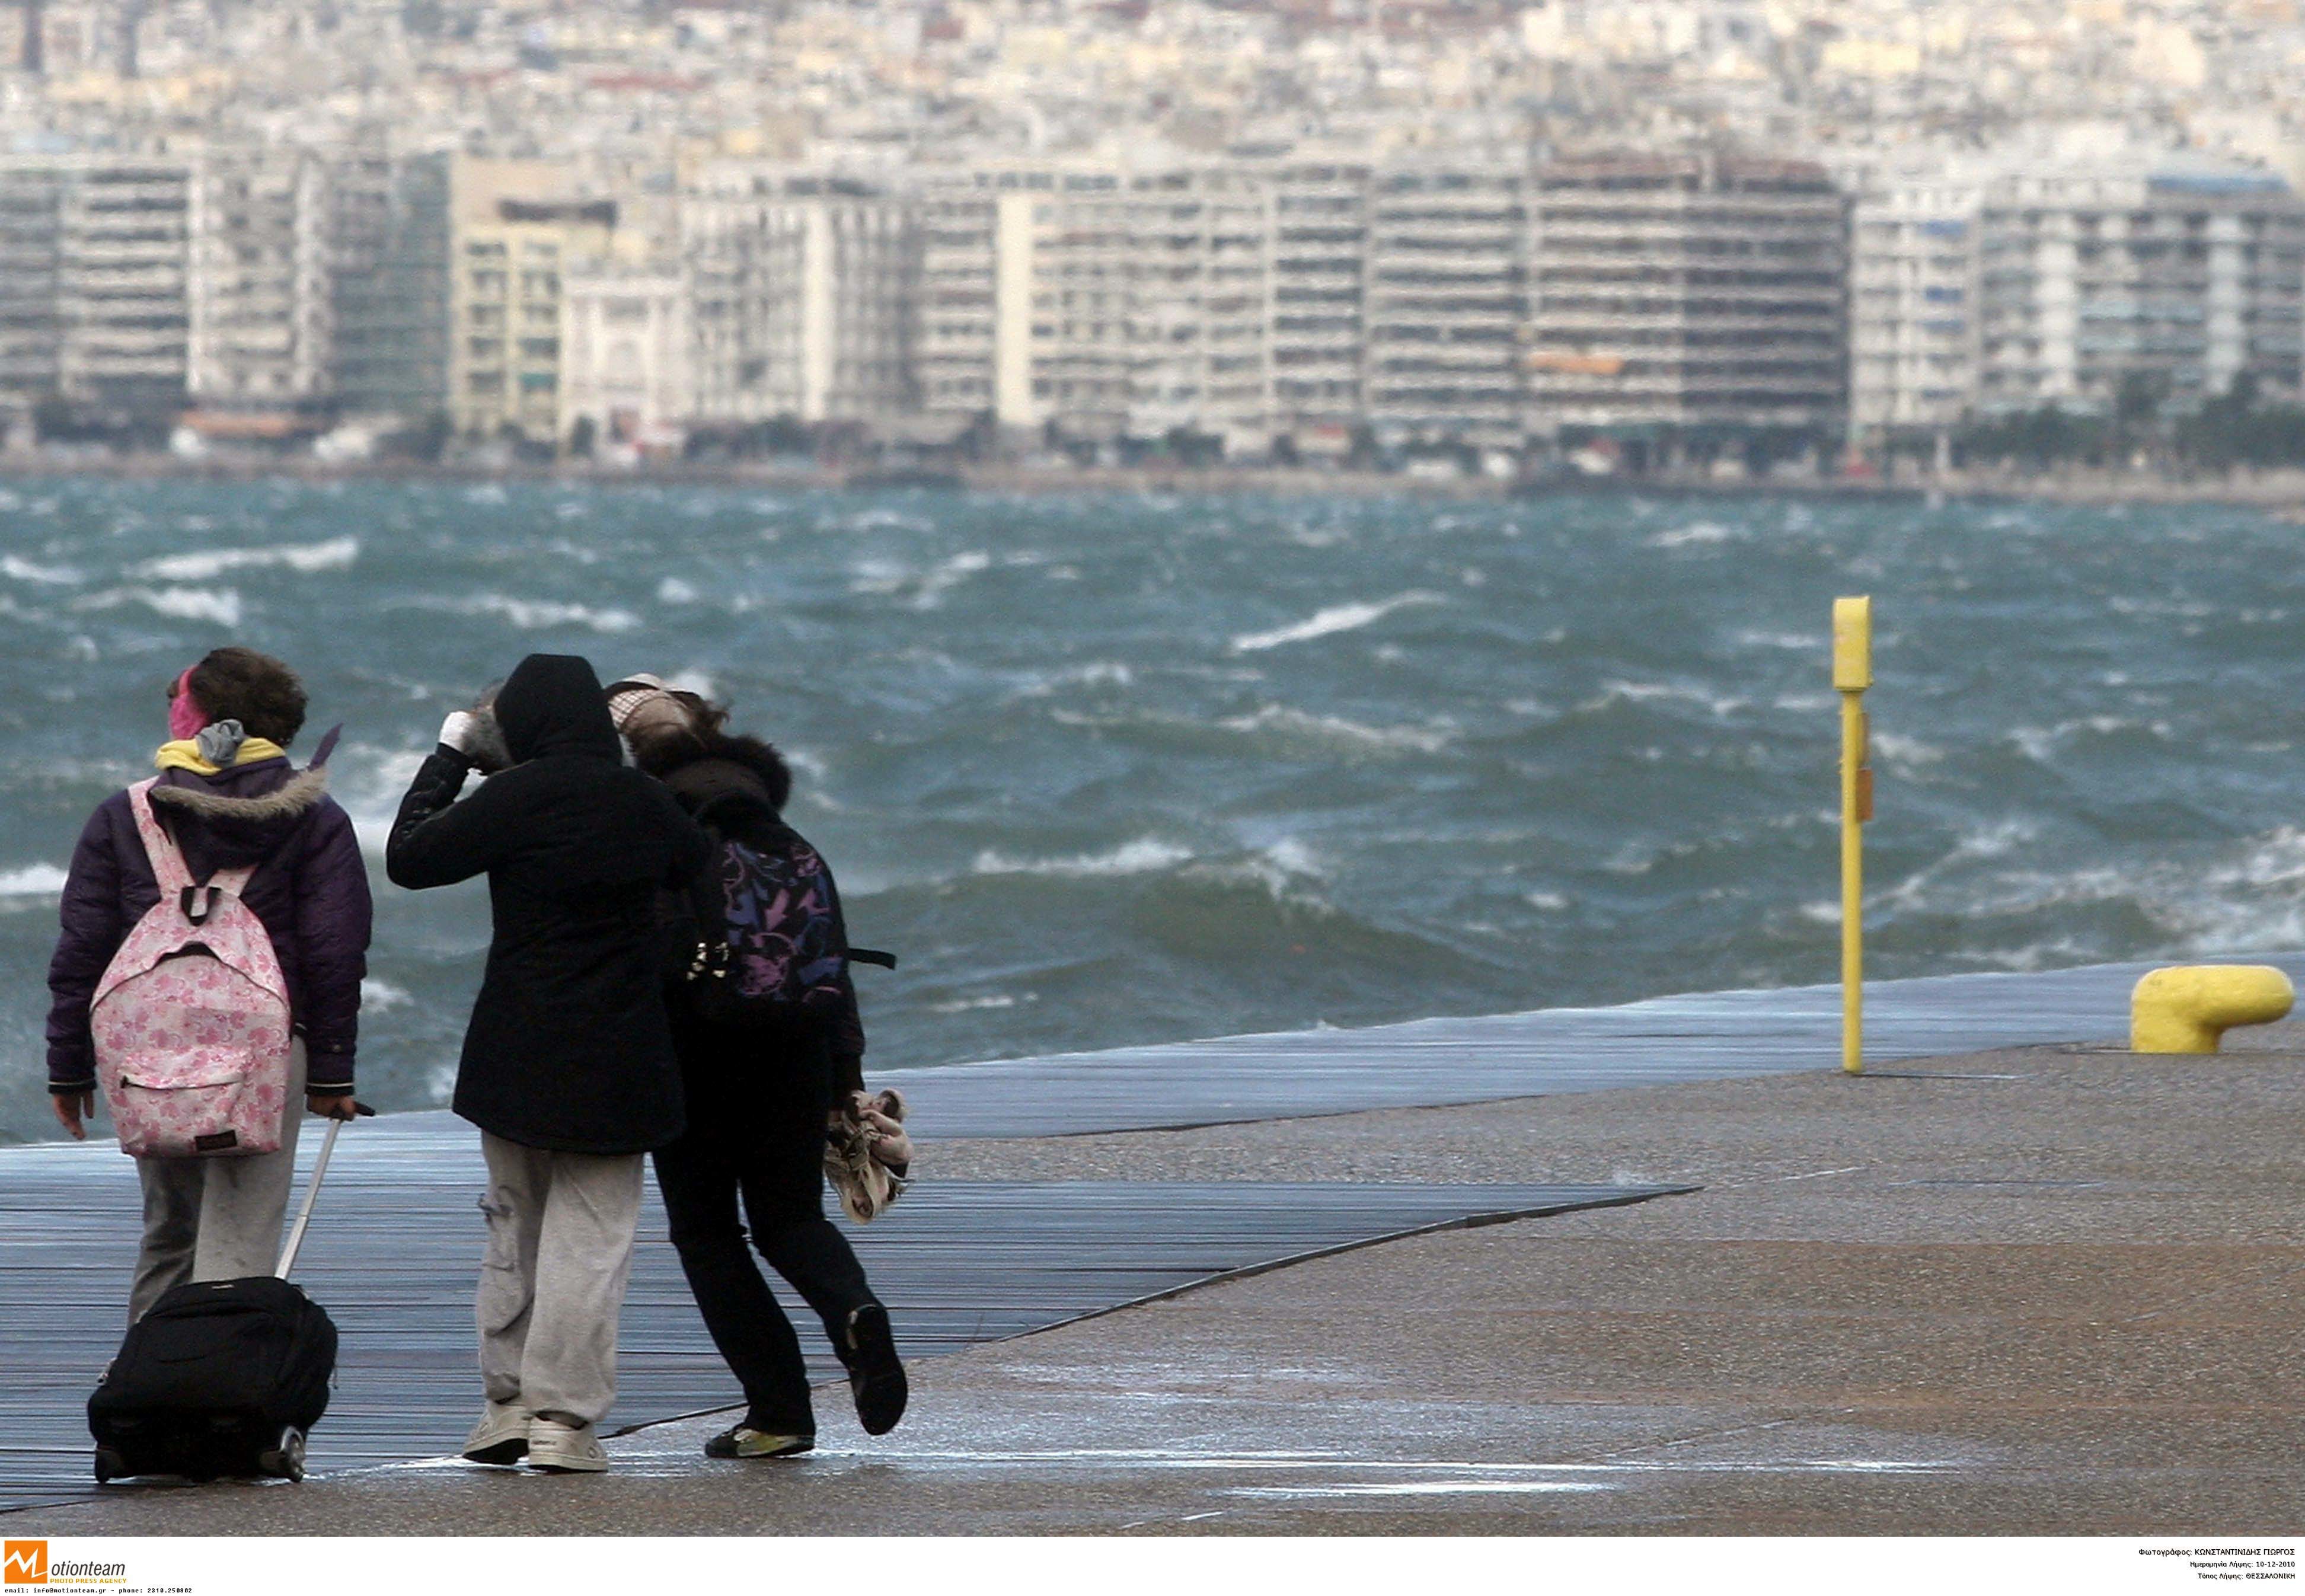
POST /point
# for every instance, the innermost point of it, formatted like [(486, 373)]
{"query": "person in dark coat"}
[(230, 798), (759, 1101), (567, 1065)]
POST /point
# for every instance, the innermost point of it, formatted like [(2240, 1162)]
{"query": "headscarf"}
[(185, 716)]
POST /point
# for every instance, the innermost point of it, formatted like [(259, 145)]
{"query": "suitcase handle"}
[(311, 1195)]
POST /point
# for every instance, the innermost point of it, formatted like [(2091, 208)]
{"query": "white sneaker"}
[(500, 1437), (558, 1448)]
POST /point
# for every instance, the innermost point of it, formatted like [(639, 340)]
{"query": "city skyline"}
[(1675, 232)]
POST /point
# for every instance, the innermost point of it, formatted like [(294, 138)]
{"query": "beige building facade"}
[(517, 229)]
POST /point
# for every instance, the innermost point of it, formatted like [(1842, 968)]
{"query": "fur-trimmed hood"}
[(242, 813), (726, 771)]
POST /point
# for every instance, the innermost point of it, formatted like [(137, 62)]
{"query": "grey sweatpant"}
[(217, 1218), (560, 1249)]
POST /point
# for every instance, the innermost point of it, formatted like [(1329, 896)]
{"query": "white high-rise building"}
[(1197, 304), (2163, 280), (802, 292), (258, 292), (1912, 298), (1106, 300)]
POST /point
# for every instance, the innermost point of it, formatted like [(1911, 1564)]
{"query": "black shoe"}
[(875, 1374)]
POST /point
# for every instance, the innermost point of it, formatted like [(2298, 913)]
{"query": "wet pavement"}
[(2049, 1291)]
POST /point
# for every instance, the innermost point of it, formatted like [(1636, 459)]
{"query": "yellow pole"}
[(1852, 674)]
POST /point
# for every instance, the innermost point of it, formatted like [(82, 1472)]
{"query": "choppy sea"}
[(1122, 768)]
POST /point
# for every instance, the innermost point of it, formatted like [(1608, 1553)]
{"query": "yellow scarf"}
[(184, 754)]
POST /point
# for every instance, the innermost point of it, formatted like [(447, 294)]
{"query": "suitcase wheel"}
[(286, 1460), (110, 1465)]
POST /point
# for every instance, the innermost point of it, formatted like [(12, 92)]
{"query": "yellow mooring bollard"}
[(2187, 1007), (1852, 674)]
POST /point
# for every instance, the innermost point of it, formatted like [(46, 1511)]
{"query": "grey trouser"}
[(561, 1248), (217, 1218)]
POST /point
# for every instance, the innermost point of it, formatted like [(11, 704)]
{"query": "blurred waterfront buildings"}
[(1478, 232)]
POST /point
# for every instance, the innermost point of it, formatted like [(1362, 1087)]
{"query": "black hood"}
[(551, 704)]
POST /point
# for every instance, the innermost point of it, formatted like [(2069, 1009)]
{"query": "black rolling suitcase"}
[(222, 1378)]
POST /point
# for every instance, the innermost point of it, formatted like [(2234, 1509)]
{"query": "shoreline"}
[(2279, 492)]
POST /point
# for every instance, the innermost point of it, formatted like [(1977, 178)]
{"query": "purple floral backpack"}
[(767, 943), (763, 942), (190, 1018)]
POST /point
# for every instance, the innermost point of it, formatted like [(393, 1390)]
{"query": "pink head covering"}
[(185, 717)]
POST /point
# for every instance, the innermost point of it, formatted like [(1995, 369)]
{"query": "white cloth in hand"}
[(459, 732)]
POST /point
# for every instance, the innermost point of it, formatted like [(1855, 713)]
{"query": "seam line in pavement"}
[(1249, 1271)]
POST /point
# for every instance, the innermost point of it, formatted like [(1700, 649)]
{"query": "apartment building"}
[(624, 344), (2170, 281), (1319, 269), (1912, 301), (389, 289), (260, 317), (956, 316), (1068, 278), (803, 289), (94, 251), (1106, 300), (1447, 263), (122, 292), (31, 273), (517, 227), (1195, 303), (1692, 304)]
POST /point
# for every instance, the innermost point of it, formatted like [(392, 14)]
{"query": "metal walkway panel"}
[(396, 1247), (1427, 1063)]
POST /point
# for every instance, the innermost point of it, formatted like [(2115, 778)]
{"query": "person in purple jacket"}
[(230, 798)]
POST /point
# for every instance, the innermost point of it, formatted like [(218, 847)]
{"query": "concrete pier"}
[(2046, 1290)]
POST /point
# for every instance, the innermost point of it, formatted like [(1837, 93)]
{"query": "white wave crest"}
[(334, 555), (31, 880), (378, 996), (1642, 692), (2039, 743), (2250, 899), (1137, 858), (369, 782), (1332, 728), (1697, 533), (219, 605), (961, 1006), (1337, 617), (1801, 642), (1901, 750), (18, 569), (1095, 672), (537, 615)]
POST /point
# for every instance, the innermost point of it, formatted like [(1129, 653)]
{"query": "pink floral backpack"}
[(190, 1018)]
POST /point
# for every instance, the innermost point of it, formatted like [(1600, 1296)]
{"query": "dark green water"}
[(1124, 768)]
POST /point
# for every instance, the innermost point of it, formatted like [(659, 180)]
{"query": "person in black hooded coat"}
[(568, 1067)]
